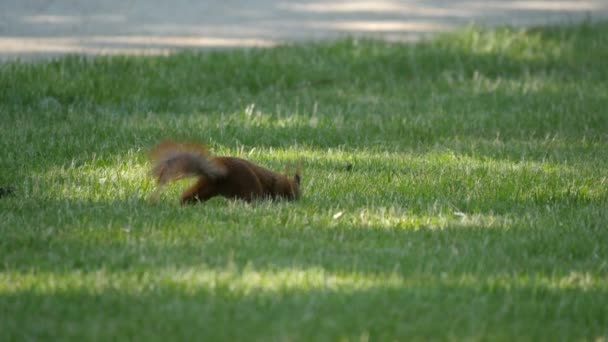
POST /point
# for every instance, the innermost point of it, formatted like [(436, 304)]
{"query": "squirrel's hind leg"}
[(199, 192)]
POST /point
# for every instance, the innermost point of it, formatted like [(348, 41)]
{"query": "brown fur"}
[(229, 177)]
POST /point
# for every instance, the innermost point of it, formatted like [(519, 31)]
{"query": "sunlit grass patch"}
[(412, 181), (250, 281)]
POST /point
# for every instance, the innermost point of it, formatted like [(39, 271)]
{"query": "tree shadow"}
[(135, 235), (353, 91), (179, 269), (405, 312)]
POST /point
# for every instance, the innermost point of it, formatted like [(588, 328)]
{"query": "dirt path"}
[(39, 29)]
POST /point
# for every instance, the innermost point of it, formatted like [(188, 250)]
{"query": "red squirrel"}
[(229, 177)]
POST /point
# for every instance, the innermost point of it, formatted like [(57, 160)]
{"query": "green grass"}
[(475, 208)]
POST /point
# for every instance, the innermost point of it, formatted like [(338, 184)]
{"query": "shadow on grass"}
[(501, 52), (128, 235), (202, 270), (535, 92), (424, 310)]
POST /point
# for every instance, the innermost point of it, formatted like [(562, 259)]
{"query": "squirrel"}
[(230, 177)]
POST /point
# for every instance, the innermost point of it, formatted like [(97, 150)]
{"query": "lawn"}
[(455, 188)]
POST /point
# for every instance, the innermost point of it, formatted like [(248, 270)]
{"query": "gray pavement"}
[(45, 28)]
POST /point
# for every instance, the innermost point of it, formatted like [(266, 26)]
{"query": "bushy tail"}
[(172, 161)]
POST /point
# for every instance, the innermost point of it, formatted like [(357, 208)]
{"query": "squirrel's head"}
[(294, 183)]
